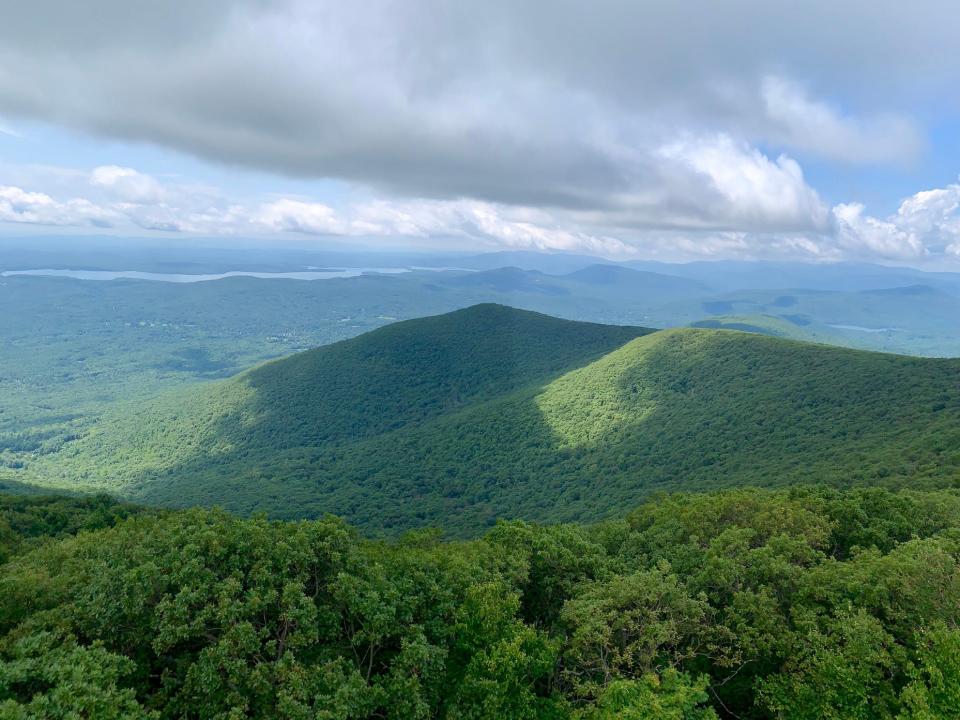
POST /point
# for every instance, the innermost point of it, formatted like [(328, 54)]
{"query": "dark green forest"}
[(797, 604), (487, 413)]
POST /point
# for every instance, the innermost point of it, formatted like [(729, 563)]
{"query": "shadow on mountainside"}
[(687, 409)]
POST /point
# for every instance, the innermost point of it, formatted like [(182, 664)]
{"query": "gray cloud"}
[(613, 110)]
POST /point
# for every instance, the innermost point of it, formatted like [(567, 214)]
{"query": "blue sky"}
[(672, 131), (44, 144)]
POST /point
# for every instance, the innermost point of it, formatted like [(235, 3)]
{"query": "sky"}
[(691, 129)]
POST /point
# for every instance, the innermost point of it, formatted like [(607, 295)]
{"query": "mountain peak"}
[(490, 412)]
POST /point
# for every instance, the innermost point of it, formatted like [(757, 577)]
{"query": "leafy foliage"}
[(25, 521), (801, 603)]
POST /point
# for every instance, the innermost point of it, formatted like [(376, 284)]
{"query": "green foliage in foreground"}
[(26, 521), (489, 413), (797, 604)]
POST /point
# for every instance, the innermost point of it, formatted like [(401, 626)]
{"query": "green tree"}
[(46, 676), (629, 626), (933, 691), (672, 696), (505, 664), (843, 672)]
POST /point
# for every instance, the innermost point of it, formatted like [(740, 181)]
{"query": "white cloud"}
[(926, 222), (503, 226), (304, 217), (934, 214), (731, 186), (182, 211), (9, 130), (862, 234), (489, 222), (743, 187), (21, 206), (127, 184), (807, 124)]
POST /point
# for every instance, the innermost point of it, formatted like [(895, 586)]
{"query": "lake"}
[(319, 274)]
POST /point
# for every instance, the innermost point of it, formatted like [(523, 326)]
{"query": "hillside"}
[(490, 412)]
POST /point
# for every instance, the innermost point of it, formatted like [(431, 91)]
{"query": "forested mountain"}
[(457, 420), (74, 347), (800, 604)]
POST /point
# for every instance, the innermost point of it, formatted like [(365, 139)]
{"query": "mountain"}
[(611, 285), (906, 291), (554, 263), (637, 283), (914, 319), (509, 280), (843, 276), (491, 412)]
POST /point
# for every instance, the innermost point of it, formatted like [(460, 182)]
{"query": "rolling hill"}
[(508, 280), (637, 284), (489, 412), (612, 284)]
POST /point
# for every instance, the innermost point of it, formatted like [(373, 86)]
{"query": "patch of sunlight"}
[(622, 389), (584, 405), (168, 432)]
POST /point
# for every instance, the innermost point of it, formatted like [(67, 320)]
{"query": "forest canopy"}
[(799, 603)]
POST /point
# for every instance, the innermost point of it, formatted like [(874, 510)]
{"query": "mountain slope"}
[(491, 412), (402, 374)]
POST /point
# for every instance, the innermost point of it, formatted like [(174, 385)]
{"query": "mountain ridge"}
[(414, 424)]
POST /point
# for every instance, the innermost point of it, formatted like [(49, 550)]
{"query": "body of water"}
[(860, 328), (317, 274)]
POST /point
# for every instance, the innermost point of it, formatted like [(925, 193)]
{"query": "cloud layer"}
[(745, 184), (552, 104)]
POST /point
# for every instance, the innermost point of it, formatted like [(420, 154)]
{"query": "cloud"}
[(555, 105), (304, 217), (926, 222), (497, 225), (8, 130), (732, 185), (743, 188), (127, 184), (808, 124), (20, 206), (933, 214), (486, 223), (863, 234)]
